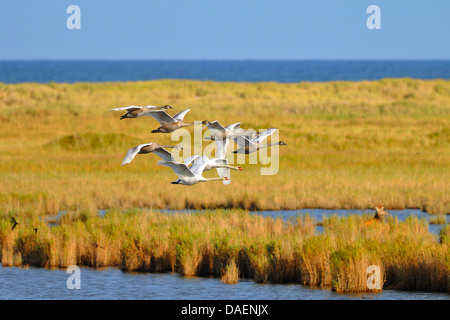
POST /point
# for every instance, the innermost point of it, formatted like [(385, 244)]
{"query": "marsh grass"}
[(438, 219), (347, 142), (314, 261), (349, 266), (231, 273), (231, 244), (444, 234)]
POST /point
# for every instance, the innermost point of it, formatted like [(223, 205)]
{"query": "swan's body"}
[(151, 147), (188, 176), (170, 124), (247, 145), (221, 164), (136, 111)]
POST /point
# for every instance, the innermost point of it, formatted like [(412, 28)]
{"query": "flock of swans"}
[(190, 171)]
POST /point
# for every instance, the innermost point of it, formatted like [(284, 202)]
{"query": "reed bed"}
[(234, 244)]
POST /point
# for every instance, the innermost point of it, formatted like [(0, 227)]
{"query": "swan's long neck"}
[(212, 179), (227, 166), (167, 146), (268, 145), (187, 124)]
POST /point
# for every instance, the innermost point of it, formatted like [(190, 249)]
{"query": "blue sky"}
[(232, 29)]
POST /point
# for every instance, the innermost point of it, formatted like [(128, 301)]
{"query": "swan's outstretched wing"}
[(250, 133), (198, 167), (133, 152), (149, 110), (180, 115), (129, 108), (219, 161), (180, 169), (233, 126), (192, 159), (222, 146), (215, 127), (154, 107), (224, 173), (164, 154), (262, 136), (243, 141), (162, 117)]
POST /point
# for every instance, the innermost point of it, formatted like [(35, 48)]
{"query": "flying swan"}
[(170, 124), (188, 176), (136, 111), (247, 146), (151, 147)]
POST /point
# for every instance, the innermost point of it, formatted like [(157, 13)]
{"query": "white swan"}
[(136, 111), (247, 146), (169, 123), (221, 135), (219, 132), (221, 164), (188, 176), (151, 147)]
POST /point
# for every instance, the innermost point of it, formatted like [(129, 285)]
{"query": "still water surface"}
[(111, 284)]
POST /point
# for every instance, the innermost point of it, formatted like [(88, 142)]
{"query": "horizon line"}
[(227, 60)]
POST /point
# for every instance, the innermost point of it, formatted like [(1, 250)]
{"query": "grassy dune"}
[(232, 244), (347, 143)]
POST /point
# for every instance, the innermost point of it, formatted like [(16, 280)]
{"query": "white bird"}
[(247, 146), (221, 164), (151, 147), (136, 111), (218, 132), (221, 135), (188, 176), (169, 123)]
